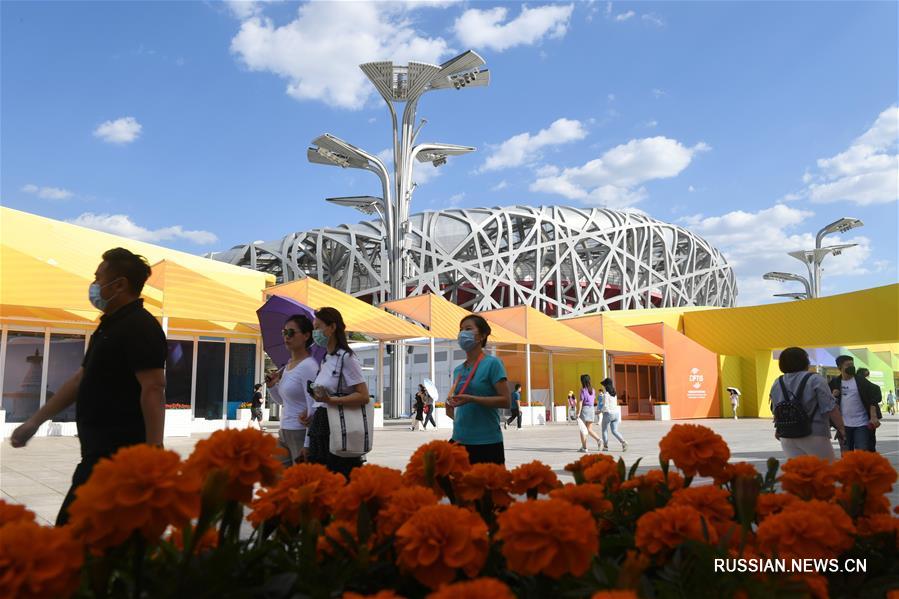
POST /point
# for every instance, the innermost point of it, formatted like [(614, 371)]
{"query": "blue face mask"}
[(319, 338), (466, 340), (96, 298)]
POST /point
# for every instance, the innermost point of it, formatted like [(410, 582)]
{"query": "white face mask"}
[(96, 298)]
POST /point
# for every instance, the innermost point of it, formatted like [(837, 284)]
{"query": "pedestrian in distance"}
[(289, 386), (804, 408), (586, 413), (256, 406), (419, 408), (480, 389), (734, 401), (611, 415), (429, 411), (119, 391), (515, 407), (891, 403), (859, 401)]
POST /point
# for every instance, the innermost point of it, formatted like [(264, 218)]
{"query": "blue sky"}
[(186, 123)]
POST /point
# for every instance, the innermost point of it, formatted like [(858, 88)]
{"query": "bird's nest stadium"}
[(560, 260)]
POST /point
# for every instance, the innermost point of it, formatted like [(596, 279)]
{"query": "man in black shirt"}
[(119, 391)]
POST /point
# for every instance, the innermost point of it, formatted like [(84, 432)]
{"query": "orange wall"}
[(690, 393)]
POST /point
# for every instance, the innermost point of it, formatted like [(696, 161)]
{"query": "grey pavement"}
[(38, 475)]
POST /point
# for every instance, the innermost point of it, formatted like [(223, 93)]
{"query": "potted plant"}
[(177, 420), (379, 415), (661, 410), (245, 412), (440, 417)]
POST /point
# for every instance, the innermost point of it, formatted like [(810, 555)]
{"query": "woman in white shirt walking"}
[(611, 414), (289, 385), (339, 381)]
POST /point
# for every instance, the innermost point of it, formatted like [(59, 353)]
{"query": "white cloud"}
[(624, 16), (121, 224), (320, 51), (652, 124), (456, 199), (611, 97), (120, 131), (615, 178), (486, 28), (243, 9), (757, 242), (525, 148), (48, 193), (653, 18), (691, 189), (500, 186), (658, 93), (866, 173)]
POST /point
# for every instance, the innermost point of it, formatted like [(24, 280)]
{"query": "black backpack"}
[(791, 421)]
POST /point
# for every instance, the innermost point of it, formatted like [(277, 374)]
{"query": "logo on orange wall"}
[(696, 379)]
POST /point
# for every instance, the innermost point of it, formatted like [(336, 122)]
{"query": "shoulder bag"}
[(352, 427)]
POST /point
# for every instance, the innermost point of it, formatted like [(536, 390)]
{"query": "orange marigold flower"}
[(38, 561), (614, 594), (334, 539), (879, 523), (479, 588), (654, 479), (209, 540), (385, 594), (807, 529), (604, 473), (695, 449), (665, 528), (13, 512), (551, 536), (444, 458), (808, 477), (535, 477), (768, 504), (589, 496), (305, 492), (874, 504), (440, 541), (371, 485), (711, 502), (483, 479), (868, 470), (247, 455), (139, 489), (401, 506), (734, 470), (588, 460)]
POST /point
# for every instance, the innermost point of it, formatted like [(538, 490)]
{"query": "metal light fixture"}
[(368, 205), (795, 295), (783, 277)]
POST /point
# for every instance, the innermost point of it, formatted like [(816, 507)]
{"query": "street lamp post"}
[(813, 258), (400, 83)]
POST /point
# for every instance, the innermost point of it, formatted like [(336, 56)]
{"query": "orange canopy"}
[(442, 317), (613, 336), (540, 329)]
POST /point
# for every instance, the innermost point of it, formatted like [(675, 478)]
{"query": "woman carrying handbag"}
[(339, 384)]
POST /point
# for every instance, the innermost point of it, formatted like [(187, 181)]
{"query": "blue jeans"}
[(610, 421), (859, 438)]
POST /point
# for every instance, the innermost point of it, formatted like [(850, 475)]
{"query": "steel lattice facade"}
[(558, 259)]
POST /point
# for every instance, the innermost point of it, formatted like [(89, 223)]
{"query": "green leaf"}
[(633, 470)]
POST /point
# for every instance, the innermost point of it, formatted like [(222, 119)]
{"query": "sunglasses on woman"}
[(288, 333)]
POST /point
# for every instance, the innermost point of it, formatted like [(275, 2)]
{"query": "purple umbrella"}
[(272, 316)]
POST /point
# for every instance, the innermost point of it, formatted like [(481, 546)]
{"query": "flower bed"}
[(148, 524)]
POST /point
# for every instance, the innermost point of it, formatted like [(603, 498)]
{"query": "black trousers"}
[(319, 434), (429, 417), (491, 453), (516, 414), (82, 472)]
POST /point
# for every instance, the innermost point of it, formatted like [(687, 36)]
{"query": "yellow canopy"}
[(442, 317), (614, 337), (189, 294), (540, 329), (26, 280), (358, 316)]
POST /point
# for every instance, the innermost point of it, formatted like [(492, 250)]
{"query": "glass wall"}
[(210, 380), (22, 375), (241, 375), (179, 365), (65, 356)]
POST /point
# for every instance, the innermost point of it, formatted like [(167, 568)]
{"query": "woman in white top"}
[(289, 385), (339, 381), (611, 414)]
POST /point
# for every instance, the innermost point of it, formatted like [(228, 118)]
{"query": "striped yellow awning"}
[(614, 337), (442, 318), (358, 316), (540, 329)]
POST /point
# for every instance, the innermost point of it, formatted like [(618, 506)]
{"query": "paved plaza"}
[(39, 475)]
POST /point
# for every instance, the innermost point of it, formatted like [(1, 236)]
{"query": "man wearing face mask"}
[(119, 391), (859, 402)]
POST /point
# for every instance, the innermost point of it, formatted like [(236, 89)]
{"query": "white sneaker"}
[(583, 450)]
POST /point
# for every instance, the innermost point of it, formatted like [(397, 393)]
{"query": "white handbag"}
[(352, 427)]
